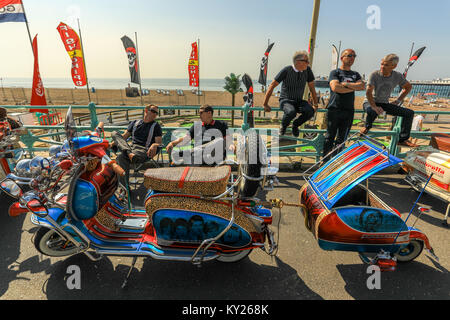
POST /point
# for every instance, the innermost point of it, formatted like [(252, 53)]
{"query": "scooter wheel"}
[(251, 163), (50, 243), (234, 257), (410, 251)]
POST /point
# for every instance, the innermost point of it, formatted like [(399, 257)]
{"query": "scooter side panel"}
[(179, 226)]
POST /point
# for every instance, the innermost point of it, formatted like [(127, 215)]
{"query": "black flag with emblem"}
[(263, 71), (132, 59)]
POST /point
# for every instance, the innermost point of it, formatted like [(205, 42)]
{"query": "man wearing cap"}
[(294, 79), (341, 107)]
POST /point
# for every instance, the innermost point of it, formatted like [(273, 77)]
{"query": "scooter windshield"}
[(71, 132)]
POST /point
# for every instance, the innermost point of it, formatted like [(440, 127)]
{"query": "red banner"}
[(193, 67), (72, 44), (37, 91)]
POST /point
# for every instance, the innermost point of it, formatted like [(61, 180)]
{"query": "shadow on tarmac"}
[(417, 281), (163, 280)]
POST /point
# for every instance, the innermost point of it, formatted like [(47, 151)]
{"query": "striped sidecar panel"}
[(350, 167)]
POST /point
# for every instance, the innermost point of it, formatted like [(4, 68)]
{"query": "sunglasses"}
[(154, 111), (306, 61), (351, 56)]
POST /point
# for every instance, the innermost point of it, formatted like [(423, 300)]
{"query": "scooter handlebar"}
[(117, 169)]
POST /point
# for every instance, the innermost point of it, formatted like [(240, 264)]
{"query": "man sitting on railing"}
[(381, 84), (146, 137)]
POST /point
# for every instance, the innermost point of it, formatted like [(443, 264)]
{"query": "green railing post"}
[(393, 148), (245, 126), (93, 112)]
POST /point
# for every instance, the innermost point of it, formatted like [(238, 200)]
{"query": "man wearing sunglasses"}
[(381, 84), (341, 107), (294, 79), (146, 137)]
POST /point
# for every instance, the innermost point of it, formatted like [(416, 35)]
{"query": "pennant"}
[(132, 59), (37, 91), (334, 58), (193, 67), (72, 45), (12, 11), (263, 72)]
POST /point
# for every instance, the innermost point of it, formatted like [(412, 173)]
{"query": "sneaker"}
[(282, 131), (364, 130), (407, 143), (295, 131)]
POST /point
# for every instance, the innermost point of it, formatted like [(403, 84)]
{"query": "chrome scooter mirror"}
[(34, 204), (11, 188)]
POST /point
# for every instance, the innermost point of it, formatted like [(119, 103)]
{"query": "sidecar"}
[(434, 159), (344, 215)]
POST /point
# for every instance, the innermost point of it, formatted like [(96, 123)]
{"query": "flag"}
[(263, 72), (132, 59), (193, 67), (413, 59), (72, 45), (37, 91), (12, 11), (334, 58)]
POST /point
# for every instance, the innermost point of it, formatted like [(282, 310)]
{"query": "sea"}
[(147, 83)]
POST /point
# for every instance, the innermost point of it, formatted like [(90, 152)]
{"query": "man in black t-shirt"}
[(146, 137), (204, 132), (341, 107), (294, 79)]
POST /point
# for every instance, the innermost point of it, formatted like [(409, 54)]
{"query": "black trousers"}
[(140, 156), (393, 110), (291, 108), (338, 127)]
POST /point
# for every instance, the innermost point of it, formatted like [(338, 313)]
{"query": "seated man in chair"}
[(146, 138), (211, 138)]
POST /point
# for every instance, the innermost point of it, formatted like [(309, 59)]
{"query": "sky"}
[(233, 36)]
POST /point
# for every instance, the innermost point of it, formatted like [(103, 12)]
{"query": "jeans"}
[(393, 110), (338, 127), (291, 108)]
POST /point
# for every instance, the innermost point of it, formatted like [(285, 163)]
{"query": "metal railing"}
[(300, 147)]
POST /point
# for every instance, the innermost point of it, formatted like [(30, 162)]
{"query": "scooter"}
[(431, 162), (191, 214)]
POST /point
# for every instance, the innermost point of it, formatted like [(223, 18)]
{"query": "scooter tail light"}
[(386, 264)]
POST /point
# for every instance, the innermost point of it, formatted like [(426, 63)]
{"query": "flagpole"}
[(267, 67), (28, 28), (84, 61), (198, 57), (139, 68)]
